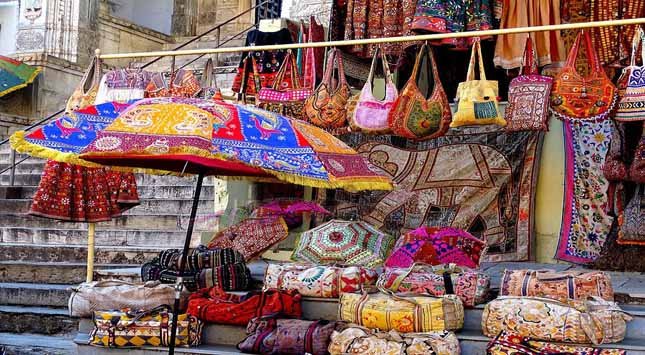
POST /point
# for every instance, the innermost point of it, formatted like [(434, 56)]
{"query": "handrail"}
[(11, 166), (221, 44), (354, 42), (34, 125)]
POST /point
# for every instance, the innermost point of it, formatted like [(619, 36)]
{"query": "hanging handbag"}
[(352, 339), (561, 286), (631, 104), (370, 115), (210, 90), (327, 106), (116, 294), (412, 115), (318, 280), (131, 329), (632, 221), (615, 168), (216, 306), (477, 99), (510, 343), (578, 98), (247, 81), (285, 101), (589, 322), (252, 237), (387, 311), (637, 168), (528, 96), (471, 286), (269, 335), (87, 90)]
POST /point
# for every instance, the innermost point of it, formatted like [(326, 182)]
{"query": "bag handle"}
[(528, 66), (208, 79), (476, 54), (386, 67), (139, 315), (250, 61), (592, 55), (638, 40), (334, 56), (289, 61)]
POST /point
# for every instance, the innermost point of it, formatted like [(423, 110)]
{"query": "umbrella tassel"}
[(182, 263)]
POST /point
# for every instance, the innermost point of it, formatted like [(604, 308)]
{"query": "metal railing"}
[(218, 43)]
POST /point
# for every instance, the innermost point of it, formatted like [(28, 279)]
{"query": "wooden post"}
[(90, 251)]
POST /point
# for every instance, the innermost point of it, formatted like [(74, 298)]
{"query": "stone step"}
[(29, 166), (160, 191), (47, 273), (102, 237), (38, 320), (146, 207), (32, 294), (37, 344), (77, 253), (169, 222)]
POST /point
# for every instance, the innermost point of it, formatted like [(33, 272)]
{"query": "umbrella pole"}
[(182, 264), (90, 251)]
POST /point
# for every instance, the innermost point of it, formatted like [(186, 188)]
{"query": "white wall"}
[(8, 27), (156, 15)]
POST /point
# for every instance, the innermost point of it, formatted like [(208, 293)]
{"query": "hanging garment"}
[(123, 85), (575, 11), (585, 221), (74, 193), (549, 46), (314, 57), (612, 42), (356, 25)]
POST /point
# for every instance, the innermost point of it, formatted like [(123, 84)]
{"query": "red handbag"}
[(578, 98), (216, 306)]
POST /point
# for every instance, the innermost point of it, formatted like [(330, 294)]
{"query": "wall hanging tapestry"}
[(585, 222), (479, 179)]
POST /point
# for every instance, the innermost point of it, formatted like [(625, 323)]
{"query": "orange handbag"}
[(327, 106), (583, 98)]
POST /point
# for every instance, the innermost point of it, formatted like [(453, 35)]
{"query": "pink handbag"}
[(370, 114), (285, 101), (528, 96)]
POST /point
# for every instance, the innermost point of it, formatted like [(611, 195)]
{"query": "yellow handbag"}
[(403, 314), (477, 99)]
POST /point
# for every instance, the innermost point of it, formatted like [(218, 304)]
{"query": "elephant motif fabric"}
[(479, 179)]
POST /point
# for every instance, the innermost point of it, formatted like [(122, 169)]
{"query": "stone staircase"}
[(41, 258)]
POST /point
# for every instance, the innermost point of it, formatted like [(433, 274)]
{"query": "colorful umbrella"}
[(15, 75), (343, 242)]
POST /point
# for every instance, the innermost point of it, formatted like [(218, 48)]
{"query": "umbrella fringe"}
[(23, 85)]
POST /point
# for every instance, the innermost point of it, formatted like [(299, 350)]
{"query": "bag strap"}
[(289, 61), (638, 40), (592, 55), (529, 67), (208, 79), (334, 56), (476, 54), (385, 66)]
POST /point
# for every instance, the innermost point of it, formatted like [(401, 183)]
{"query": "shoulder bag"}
[(87, 90), (370, 114), (561, 286), (210, 90), (637, 168), (632, 221), (631, 104), (578, 98), (528, 96), (413, 115), (477, 99), (327, 106), (281, 99)]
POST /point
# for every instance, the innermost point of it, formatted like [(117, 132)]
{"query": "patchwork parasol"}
[(343, 242), (15, 75)]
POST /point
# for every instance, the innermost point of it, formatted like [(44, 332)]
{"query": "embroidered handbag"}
[(216, 306), (574, 97), (199, 258), (319, 281), (353, 339), (248, 81), (507, 343), (231, 277), (86, 91), (528, 96), (252, 236), (413, 115), (130, 329), (561, 286), (472, 287), (183, 83), (615, 168), (285, 101), (116, 294), (477, 99), (268, 335), (210, 90), (370, 114), (435, 246), (637, 168), (631, 104), (632, 221), (404, 314), (588, 322), (327, 106)]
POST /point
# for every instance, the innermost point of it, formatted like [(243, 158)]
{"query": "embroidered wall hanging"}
[(480, 179)]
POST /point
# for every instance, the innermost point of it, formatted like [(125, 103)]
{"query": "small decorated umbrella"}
[(15, 75), (344, 242), (206, 137)]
